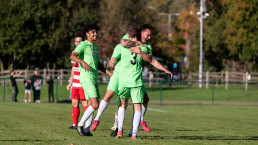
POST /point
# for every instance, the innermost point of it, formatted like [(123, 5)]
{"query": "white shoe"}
[(29, 101), (25, 101)]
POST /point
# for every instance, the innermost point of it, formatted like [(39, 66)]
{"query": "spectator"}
[(50, 83), (145, 72), (27, 83), (37, 85), (13, 77), (33, 78)]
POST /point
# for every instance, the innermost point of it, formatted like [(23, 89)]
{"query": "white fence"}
[(219, 78)]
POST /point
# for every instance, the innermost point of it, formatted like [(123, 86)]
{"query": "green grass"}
[(181, 124), (177, 94)]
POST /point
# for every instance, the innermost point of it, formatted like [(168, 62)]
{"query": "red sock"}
[(85, 108), (75, 114)]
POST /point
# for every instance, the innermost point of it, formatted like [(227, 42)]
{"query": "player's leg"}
[(75, 106), (137, 99), (92, 93), (102, 107), (124, 94), (114, 129), (136, 120), (111, 90), (121, 118), (144, 109)]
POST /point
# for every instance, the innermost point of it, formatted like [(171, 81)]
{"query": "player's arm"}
[(74, 57), (112, 62), (144, 56), (17, 75), (103, 69), (68, 87), (156, 64), (128, 43)]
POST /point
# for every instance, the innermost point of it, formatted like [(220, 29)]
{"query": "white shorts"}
[(27, 91)]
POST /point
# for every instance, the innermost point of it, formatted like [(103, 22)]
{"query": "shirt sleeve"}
[(126, 37), (143, 49), (80, 48), (117, 52)]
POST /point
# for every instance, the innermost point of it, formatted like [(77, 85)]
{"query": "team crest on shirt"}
[(94, 51)]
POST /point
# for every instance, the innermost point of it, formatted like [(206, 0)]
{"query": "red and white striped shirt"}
[(76, 75)]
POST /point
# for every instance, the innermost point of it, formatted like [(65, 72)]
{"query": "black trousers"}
[(37, 94), (14, 93), (50, 94)]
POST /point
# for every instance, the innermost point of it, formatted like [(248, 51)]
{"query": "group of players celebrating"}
[(126, 79)]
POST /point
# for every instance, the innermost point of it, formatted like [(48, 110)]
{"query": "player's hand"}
[(168, 72), (135, 49), (139, 43), (68, 87), (86, 66), (109, 73)]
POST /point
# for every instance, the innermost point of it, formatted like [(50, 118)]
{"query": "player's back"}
[(130, 74)]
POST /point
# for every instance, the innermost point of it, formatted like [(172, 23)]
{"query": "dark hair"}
[(146, 26), (132, 30), (11, 71), (78, 35), (89, 27)]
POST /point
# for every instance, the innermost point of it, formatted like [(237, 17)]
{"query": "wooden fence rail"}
[(219, 78)]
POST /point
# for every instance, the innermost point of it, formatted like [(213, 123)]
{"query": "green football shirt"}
[(117, 54), (130, 72), (88, 52)]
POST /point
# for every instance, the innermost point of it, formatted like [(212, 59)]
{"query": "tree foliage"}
[(34, 33)]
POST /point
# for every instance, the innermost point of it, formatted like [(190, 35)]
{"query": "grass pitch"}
[(181, 124)]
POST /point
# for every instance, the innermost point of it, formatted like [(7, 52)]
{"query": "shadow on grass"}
[(37, 140), (202, 137)]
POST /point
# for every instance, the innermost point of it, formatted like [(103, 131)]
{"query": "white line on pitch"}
[(157, 110)]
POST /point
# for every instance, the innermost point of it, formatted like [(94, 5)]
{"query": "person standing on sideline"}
[(37, 85), (27, 83), (33, 79), (50, 83), (13, 77), (87, 56)]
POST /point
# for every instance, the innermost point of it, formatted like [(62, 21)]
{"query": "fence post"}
[(45, 75), (246, 80), (56, 90), (4, 91), (61, 76), (26, 73), (226, 80), (190, 80), (207, 79), (150, 78), (160, 92), (212, 97)]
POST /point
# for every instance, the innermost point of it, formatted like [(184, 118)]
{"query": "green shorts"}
[(91, 89), (144, 89), (113, 83), (118, 101), (136, 94)]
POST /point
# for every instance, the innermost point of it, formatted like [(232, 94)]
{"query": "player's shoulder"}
[(118, 46), (126, 37)]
